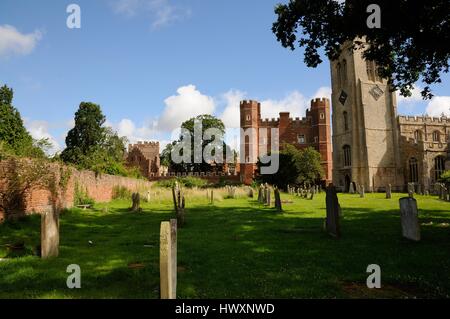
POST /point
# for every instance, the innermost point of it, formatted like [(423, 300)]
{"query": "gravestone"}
[(179, 204), (167, 264), (268, 196), (173, 237), (409, 218), (351, 189), (277, 200), (148, 197), (260, 194), (419, 189), (136, 198), (333, 212), (50, 234), (389, 191), (361, 191)]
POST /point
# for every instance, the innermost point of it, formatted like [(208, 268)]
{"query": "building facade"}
[(145, 155), (313, 130), (372, 145)]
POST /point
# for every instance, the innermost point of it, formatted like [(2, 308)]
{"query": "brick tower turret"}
[(250, 113)]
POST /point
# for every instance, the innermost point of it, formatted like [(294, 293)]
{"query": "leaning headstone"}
[(333, 212), (351, 189), (179, 204), (389, 191), (166, 262), (50, 234), (260, 194), (409, 218), (312, 196)]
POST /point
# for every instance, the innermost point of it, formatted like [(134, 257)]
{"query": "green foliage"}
[(445, 177), (406, 50), (86, 135), (121, 192), (208, 122), (13, 134), (81, 196), (296, 167), (188, 182), (64, 177)]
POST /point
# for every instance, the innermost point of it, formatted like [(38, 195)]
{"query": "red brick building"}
[(313, 130), (144, 155)]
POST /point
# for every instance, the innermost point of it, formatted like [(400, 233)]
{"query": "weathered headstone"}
[(333, 212), (409, 218), (250, 192), (136, 198), (167, 264), (351, 189), (419, 189), (50, 234), (260, 194), (361, 191), (173, 237), (389, 191), (148, 197), (277, 200), (179, 204), (268, 200)]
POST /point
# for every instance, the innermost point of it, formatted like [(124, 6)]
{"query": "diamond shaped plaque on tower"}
[(376, 92), (343, 97)]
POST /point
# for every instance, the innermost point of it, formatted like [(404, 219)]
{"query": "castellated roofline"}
[(405, 119)]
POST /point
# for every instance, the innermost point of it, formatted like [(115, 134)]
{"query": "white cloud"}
[(188, 103), (295, 103), (13, 42), (416, 96), (39, 130), (439, 105), (230, 115), (161, 12), (324, 91)]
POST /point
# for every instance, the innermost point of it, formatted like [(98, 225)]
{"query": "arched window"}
[(370, 68), (345, 115), (418, 136), (436, 136), (439, 167), (413, 170), (344, 72), (347, 155), (338, 74)]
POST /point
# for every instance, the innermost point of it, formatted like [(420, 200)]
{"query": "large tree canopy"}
[(13, 134), (412, 44)]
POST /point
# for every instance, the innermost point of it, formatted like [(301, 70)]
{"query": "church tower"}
[(365, 128)]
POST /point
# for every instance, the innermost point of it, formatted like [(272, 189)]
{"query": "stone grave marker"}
[(50, 234), (389, 191), (409, 218), (167, 264), (333, 212)]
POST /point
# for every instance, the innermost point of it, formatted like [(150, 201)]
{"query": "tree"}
[(207, 122), (295, 167), (87, 134), (411, 44), (13, 133)]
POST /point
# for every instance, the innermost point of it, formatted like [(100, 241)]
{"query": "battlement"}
[(404, 119), (145, 146), (249, 103), (320, 102)]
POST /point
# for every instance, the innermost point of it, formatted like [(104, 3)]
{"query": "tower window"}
[(322, 116), (439, 166), (372, 71), (248, 117), (316, 139), (301, 139), (347, 155), (436, 136), (413, 170), (417, 136), (345, 115)]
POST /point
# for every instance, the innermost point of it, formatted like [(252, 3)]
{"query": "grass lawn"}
[(236, 249)]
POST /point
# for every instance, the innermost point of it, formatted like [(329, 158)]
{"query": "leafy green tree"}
[(208, 122), (87, 134), (295, 167), (411, 44), (13, 133)]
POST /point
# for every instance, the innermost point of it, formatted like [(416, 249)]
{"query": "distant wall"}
[(210, 177), (99, 188)]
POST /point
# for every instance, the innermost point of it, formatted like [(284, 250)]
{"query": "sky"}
[(151, 64)]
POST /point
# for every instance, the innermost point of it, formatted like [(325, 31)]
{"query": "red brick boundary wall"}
[(99, 187), (208, 176)]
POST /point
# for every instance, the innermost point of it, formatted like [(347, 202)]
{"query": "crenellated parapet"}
[(407, 119)]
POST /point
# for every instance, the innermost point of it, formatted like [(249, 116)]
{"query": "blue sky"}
[(152, 63)]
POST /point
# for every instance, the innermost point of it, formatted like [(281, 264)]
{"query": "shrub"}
[(82, 197), (188, 182), (121, 192), (445, 177)]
